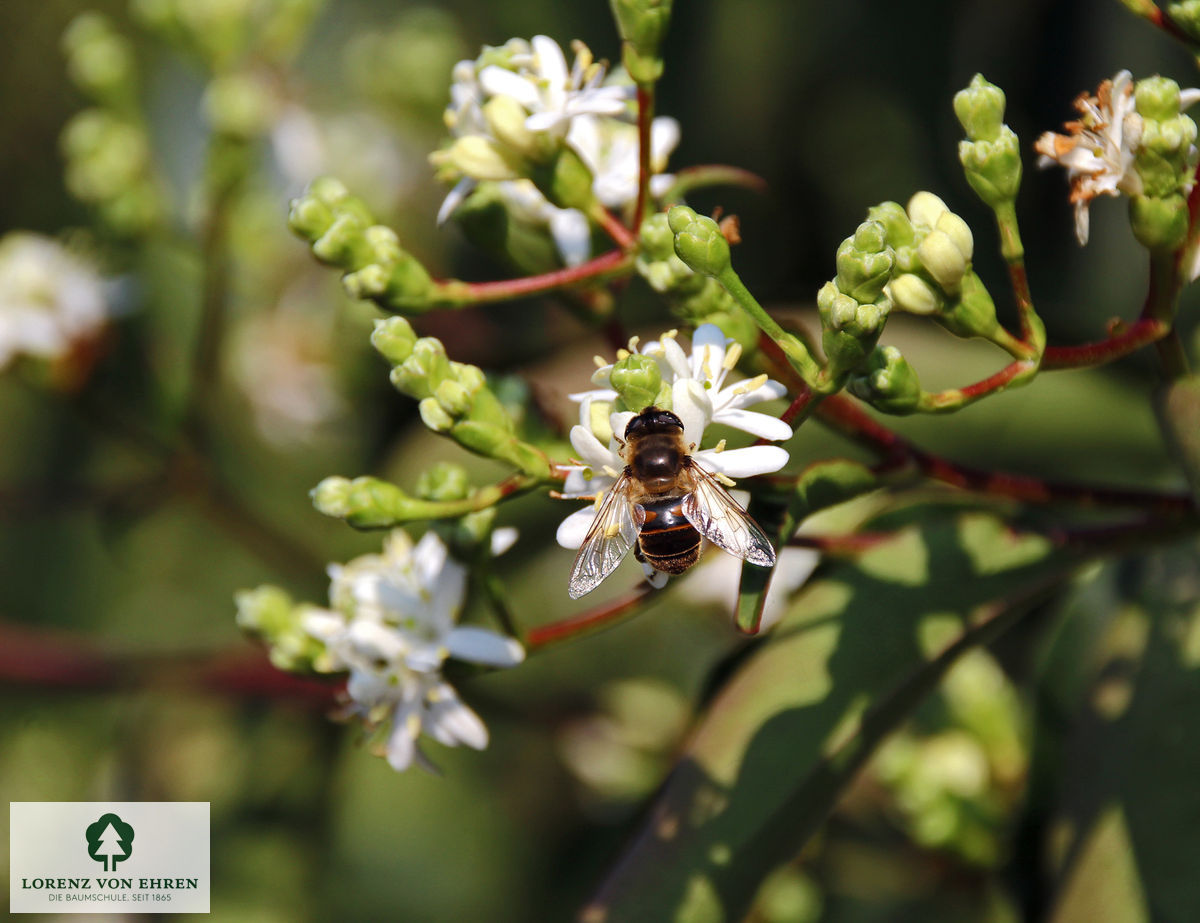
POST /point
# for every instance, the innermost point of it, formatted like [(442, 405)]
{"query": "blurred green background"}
[(837, 106)]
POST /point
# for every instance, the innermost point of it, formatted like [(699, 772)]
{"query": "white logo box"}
[(162, 868)]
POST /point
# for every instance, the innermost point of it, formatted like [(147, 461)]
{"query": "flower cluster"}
[(516, 108), (50, 298), (391, 626), (693, 386)]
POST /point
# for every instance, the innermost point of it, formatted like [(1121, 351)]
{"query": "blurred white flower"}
[(392, 626), (283, 363), (699, 397), (50, 298)]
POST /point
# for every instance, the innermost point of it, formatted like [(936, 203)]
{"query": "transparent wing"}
[(608, 540), (721, 519)]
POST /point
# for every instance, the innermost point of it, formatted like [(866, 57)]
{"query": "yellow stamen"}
[(599, 499), (726, 480), (610, 471), (600, 361), (669, 335), (705, 368), (732, 356), (752, 385), (633, 343), (612, 530), (622, 354), (720, 446)]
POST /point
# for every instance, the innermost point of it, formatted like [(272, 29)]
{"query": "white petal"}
[(664, 137), (733, 396), (502, 540), (478, 645), (401, 744), (1188, 97), (572, 530), (572, 235), (708, 351), (744, 463), (375, 642), (676, 358), (463, 188), (546, 121), (759, 424), (429, 558), (426, 658), (450, 722), (591, 452), (551, 63), (656, 578), (690, 403), (660, 184), (499, 81), (619, 421)]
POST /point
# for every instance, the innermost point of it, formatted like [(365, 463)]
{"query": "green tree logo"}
[(110, 840)]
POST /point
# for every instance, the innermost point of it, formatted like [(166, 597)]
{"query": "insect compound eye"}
[(665, 416), (635, 426)]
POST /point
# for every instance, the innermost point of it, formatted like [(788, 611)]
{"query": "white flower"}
[(550, 93), (610, 149), (392, 626), (576, 105), (49, 298), (1099, 150), (699, 397)]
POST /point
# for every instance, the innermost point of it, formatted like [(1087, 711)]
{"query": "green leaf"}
[(787, 732), (1128, 828)]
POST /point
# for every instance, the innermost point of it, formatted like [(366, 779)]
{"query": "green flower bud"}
[(343, 244), (426, 368), (332, 497), (565, 180), (393, 338), (888, 382), (848, 329), (486, 439), (1157, 98), (699, 241), (959, 233), (1186, 15), (473, 530), (443, 481), (470, 377), (329, 190), (270, 614), (973, 313), (642, 24), (980, 109), (367, 283), (453, 397), (895, 222), (365, 502), (480, 158), (656, 237), (924, 208), (309, 217), (913, 294), (99, 59), (943, 260), (1159, 224), (993, 168), (638, 381), (432, 413), (240, 104), (864, 262), (506, 118)]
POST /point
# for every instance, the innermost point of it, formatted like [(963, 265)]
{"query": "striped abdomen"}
[(667, 542)]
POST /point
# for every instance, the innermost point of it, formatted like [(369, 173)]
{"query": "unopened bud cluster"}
[(933, 274), (854, 305), (454, 397), (991, 155), (343, 233), (106, 147), (270, 614), (694, 298), (1165, 160)]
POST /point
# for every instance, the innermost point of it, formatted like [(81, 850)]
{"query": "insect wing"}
[(720, 519), (609, 539)]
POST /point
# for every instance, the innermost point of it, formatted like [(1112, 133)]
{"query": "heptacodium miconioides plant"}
[(569, 150)]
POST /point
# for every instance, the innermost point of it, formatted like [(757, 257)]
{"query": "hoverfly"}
[(661, 506)]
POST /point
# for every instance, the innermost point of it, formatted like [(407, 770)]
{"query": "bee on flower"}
[(695, 386)]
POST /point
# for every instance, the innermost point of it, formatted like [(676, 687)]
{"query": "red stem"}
[(645, 116), (613, 227), (64, 661), (1142, 332), (479, 292), (600, 616)]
